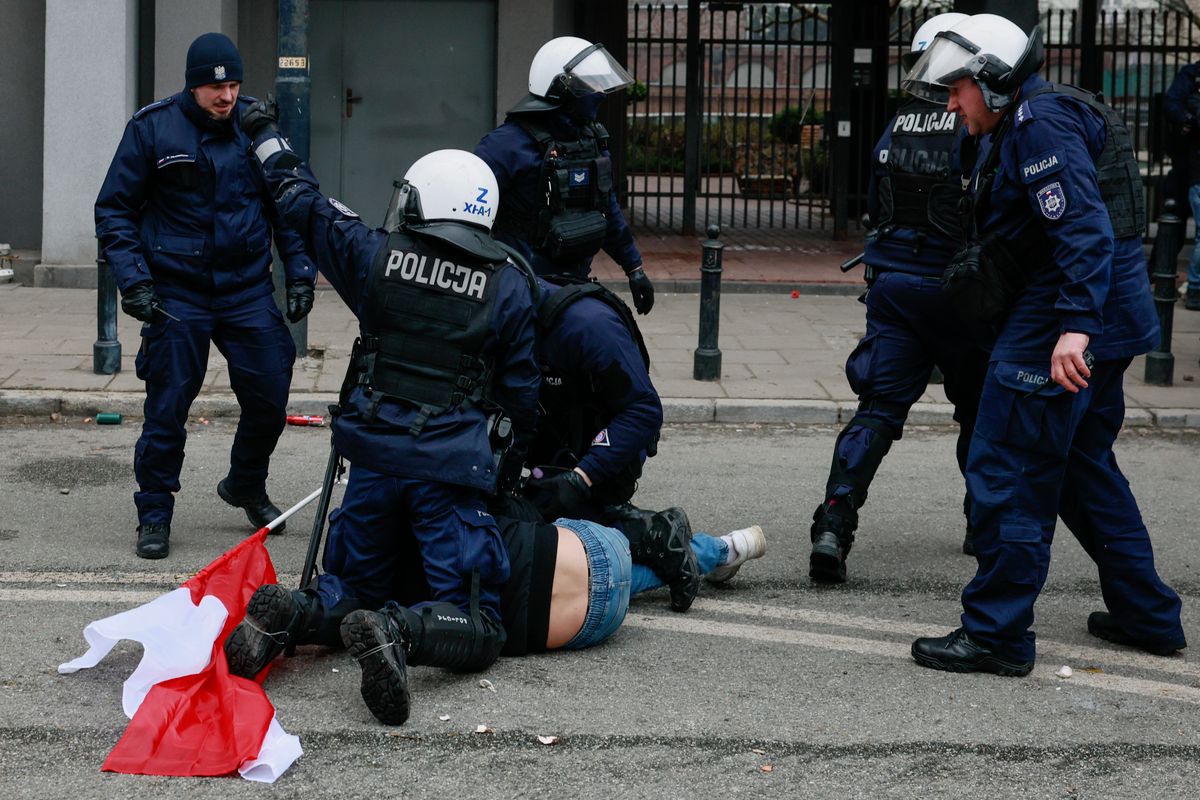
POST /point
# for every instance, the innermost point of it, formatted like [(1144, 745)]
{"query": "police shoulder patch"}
[(1042, 165), (342, 208), (1052, 200), (1024, 113), (141, 112), (601, 439)]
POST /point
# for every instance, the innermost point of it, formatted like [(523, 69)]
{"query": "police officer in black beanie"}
[(186, 223)]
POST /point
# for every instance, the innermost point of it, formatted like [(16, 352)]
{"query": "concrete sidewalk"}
[(782, 361)]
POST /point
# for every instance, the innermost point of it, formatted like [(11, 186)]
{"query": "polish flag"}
[(188, 715)]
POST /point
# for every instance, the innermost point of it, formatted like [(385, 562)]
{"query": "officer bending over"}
[(599, 418), (185, 221), (558, 203), (446, 337), (1058, 266), (911, 325)]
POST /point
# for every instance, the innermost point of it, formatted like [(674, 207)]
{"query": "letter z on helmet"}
[(987, 48)]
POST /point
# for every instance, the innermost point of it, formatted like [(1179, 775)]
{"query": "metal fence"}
[(765, 149)]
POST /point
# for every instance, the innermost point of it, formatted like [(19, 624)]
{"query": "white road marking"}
[(897, 650)]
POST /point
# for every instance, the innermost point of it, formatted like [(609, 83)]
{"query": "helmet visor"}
[(946, 60), (594, 70)]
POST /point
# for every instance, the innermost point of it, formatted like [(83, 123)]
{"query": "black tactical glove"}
[(559, 495), (140, 302), (642, 289), (262, 116), (299, 300)]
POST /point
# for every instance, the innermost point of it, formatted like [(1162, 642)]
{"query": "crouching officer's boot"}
[(277, 617), (832, 535), (662, 540), (440, 634), (258, 507)]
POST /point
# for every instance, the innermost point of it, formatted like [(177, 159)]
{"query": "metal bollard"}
[(1160, 363), (707, 364), (106, 351)]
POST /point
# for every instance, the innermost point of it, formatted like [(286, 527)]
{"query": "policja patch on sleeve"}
[(342, 208), (1052, 200)]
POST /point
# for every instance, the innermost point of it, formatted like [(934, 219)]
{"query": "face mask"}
[(586, 107)]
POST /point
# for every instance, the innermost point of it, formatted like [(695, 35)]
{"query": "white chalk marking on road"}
[(82, 596), (1076, 654), (875, 647)]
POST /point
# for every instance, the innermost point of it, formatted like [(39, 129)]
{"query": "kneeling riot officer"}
[(599, 419), (1057, 264), (911, 326), (446, 337), (558, 205)]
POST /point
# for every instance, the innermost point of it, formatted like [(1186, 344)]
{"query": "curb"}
[(691, 286), (722, 410)]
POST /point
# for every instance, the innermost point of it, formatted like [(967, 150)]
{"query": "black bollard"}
[(1160, 363), (106, 351), (707, 365)]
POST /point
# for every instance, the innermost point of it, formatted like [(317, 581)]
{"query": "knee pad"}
[(855, 464)]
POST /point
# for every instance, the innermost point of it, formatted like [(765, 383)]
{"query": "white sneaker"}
[(745, 544)]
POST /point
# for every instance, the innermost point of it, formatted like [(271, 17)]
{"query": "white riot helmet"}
[(451, 195), (924, 35), (992, 50), (569, 67)]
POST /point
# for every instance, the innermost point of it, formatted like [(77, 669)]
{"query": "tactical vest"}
[(573, 411), (424, 324), (559, 210), (1116, 167), (920, 191)]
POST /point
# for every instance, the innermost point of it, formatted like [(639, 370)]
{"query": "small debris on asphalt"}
[(1065, 672), (756, 751), (795, 294), (767, 768), (64, 490), (444, 717), (486, 684), (483, 729), (548, 739)]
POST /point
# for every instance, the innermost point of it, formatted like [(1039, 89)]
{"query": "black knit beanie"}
[(212, 58)]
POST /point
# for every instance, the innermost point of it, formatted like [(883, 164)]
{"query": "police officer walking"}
[(185, 220), (1058, 265), (1183, 109), (558, 203), (599, 419), (911, 325), (446, 339)]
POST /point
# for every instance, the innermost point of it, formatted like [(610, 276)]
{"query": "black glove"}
[(262, 116), (643, 290), (140, 302), (508, 477), (299, 300), (559, 495)]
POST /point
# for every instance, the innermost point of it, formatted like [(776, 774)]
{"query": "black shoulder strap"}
[(536, 132), (553, 305)]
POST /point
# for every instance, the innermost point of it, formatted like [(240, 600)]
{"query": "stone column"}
[(91, 69)]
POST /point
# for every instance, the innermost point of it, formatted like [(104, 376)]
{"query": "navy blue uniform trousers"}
[(1037, 454), (910, 328), (173, 360), (368, 557)]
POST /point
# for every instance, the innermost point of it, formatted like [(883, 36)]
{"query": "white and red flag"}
[(188, 715)]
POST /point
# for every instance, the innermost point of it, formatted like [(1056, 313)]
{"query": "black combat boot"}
[(958, 652), (662, 540), (440, 634), (153, 540), (832, 535), (258, 507), (1102, 625), (1191, 300), (275, 617)]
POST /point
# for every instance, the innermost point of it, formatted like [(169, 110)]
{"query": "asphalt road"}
[(773, 687)]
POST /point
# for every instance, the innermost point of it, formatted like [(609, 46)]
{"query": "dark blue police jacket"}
[(184, 205), (590, 338), (1182, 88), (1089, 283), (512, 153), (894, 249), (452, 447)]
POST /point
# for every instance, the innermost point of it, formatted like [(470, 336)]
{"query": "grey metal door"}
[(391, 81)]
